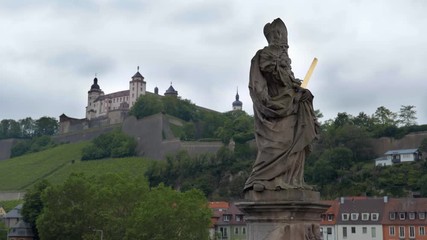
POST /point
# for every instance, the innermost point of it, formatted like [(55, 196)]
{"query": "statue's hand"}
[(305, 95)]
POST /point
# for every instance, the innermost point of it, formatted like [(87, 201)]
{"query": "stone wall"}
[(6, 147), (384, 144)]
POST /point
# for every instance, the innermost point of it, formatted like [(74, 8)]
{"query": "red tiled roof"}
[(333, 209), (405, 205), (222, 205)]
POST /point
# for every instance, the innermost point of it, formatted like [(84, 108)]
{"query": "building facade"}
[(398, 156), (228, 222)]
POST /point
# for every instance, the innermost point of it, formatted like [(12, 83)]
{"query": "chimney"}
[(342, 200), (385, 199)]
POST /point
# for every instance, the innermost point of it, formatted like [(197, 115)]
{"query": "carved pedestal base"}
[(286, 219)]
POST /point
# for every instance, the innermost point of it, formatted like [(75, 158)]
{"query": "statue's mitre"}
[(276, 25)]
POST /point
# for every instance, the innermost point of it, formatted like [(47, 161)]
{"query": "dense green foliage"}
[(113, 144), (33, 205), (33, 145), (28, 128), (342, 160), (219, 176), (199, 123), (122, 207), (150, 104)]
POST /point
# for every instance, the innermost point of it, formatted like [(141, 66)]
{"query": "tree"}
[(113, 144), (28, 126), (46, 126), (74, 209), (146, 105), (407, 115), (172, 215), (123, 207), (33, 205), (343, 119), (385, 117)]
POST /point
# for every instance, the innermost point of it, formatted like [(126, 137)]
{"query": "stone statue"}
[(285, 123)]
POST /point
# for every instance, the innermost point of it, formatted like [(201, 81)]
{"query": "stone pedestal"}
[(286, 215)]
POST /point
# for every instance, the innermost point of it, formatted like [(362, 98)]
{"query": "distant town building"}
[(18, 229), (360, 218), (227, 222), (398, 156)]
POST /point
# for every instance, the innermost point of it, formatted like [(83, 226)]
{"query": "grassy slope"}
[(56, 164)]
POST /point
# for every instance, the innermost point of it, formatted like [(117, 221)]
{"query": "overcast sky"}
[(371, 53)]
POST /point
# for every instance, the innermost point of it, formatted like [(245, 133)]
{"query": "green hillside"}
[(57, 164)]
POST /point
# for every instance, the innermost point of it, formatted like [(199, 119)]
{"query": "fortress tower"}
[(93, 94), (136, 87)]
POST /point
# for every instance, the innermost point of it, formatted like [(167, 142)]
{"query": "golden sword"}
[(308, 75)]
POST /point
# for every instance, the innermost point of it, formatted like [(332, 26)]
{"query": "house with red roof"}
[(329, 219), (227, 222), (405, 219)]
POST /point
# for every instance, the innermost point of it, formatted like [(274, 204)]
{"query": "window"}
[(374, 216), (353, 229), (236, 230), (243, 230), (239, 218), (422, 231), (391, 230), (411, 231), (411, 215), (401, 231), (373, 232), (422, 215), (223, 231), (330, 217), (365, 216), (226, 218), (354, 216), (402, 216), (345, 216), (329, 230), (364, 230), (344, 232), (392, 215)]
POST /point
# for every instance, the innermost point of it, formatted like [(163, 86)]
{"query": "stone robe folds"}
[(285, 124)]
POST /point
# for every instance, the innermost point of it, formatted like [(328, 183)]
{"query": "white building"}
[(398, 156), (360, 218)]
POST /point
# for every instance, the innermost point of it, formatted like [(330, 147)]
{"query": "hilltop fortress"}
[(113, 108), (105, 112)]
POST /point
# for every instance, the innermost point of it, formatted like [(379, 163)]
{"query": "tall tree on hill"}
[(407, 115), (385, 117), (46, 126), (28, 126)]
